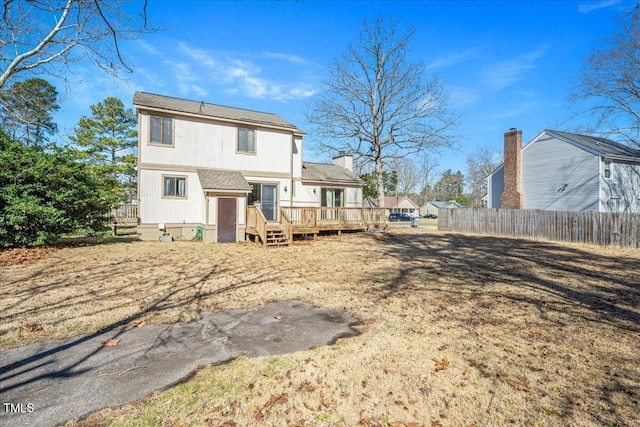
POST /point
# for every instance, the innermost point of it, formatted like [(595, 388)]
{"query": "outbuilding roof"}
[(168, 103), (223, 180), (327, 172)]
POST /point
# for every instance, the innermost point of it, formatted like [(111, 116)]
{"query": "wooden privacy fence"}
[(598, 228)]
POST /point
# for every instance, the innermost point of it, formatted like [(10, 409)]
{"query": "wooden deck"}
[(311, 220)]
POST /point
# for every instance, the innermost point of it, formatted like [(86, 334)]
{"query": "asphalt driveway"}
[(51, 382)]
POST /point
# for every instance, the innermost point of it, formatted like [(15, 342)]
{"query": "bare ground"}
[(457, 330)]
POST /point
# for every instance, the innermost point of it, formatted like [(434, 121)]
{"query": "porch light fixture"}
[(314, 190), (285, 188)]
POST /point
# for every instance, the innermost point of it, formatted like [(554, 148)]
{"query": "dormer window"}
[(246, 141), (161, 131)]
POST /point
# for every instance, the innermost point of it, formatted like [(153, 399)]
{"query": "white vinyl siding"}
[(559, 176), (155, 208)]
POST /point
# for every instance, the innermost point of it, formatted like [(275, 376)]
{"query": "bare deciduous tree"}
[(380, 106), (46, 36), (408, 175), (609, 86), (480, 165), (428, 167)]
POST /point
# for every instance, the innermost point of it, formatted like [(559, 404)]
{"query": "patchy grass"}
[(456, 329)]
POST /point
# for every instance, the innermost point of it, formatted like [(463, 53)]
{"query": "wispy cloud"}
[(506, 73), (452, 59), (240, 76), (520, 110), (591, 6), (285, 57)]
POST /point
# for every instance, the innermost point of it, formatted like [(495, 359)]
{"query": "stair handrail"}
[(261, 226), (287, 225)]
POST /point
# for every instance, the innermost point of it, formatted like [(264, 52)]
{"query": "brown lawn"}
[(457, 330)]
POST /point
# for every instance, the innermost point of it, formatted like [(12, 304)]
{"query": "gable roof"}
[(449, 204), (391, 202), (602, 147), (327, 172), (223, 180), (201, 108)]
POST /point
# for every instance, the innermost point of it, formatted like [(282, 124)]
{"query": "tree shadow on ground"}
[(566, 292)]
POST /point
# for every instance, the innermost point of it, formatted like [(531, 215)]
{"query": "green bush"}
[(46, 191)]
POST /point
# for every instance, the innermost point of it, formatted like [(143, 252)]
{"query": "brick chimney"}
[(512, 197)]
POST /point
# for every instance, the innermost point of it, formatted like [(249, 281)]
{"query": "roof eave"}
[(294, 130)]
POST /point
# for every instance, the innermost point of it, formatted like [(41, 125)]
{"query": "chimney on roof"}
[(344, 159), (512, 197)]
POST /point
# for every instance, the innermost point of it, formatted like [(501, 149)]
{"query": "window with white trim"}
[(174, 186), (607, 169), (246, 141), (161, 130)]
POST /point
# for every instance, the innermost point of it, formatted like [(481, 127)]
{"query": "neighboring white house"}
[(433, 206), (568, 172), (201, 165)]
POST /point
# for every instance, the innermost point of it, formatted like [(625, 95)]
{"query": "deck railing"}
[(287, 226), (125, 214), (257, 221), (334, 217)]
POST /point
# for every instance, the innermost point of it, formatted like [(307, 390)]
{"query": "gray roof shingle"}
[(217, 179), (602, 146), (144, 99), (327, 172)]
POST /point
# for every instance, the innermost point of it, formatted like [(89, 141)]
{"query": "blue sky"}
[(506, 63)]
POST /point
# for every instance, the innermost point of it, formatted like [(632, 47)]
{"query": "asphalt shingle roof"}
[(329, 173), (216, 179), (144, 99), (602, 146)]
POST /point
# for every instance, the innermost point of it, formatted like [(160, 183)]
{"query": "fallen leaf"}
[(278, 317), (111, 343), (34, 327), (517, 384), (275, 399), (441, 364), (256, 412), (139, 324)]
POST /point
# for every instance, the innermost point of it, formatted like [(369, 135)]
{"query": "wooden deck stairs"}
[(276, 237)]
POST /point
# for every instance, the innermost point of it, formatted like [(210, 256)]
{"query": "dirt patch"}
[(456, 329)]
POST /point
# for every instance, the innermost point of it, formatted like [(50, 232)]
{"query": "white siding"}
[(305, 195), (155, 209), (623, 187), (211, 145), (353, 197), (559, 176)]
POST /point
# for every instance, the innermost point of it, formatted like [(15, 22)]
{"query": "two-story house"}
[(566, 172), (208, 168)]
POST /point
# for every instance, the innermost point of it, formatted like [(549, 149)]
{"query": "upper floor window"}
[(174, 186), (607, 169), (161, 130), (246, 140)]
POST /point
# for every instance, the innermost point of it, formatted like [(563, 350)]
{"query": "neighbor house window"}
[(607, 169), (161, 130), (246, 140), (175, 186)]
